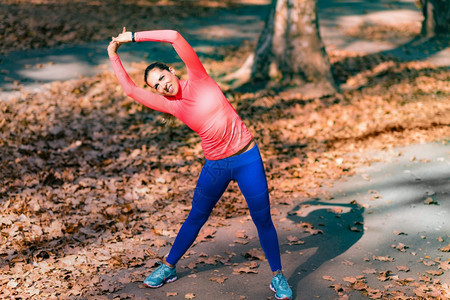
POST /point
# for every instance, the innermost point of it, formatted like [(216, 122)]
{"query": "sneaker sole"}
[(275, 291), (172, 279)]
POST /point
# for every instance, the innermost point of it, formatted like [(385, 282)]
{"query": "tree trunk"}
[(436, 17), (290, 50)]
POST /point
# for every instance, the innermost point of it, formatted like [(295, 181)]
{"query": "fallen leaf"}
[(313, 231), (242, 242), (329, 278), (245, 270), (382, 258), (256, 253), (384, 276), (445, 249), (293, 240), (335, 210), (192, 265), (340, 289), (428, 263), (206, 234), (252, 264), (400, 247), (430, 201), (403, 268), (350, 279), (435, 273), (374, 293), (207, 260), (359, 285), (219, 279), (444, 265), (354, 229), (241, 234)]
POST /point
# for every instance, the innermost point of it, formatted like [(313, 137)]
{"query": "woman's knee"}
[(197, 217), (262, 217)]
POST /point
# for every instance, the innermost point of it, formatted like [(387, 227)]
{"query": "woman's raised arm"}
[(147, 98), (194, 67)]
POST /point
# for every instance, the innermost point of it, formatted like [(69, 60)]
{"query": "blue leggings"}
[(248, 170)]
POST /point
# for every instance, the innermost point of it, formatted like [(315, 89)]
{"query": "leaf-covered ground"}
[(24, 26), (93, 182)]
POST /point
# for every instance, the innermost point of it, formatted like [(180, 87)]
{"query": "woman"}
[(228, 146)]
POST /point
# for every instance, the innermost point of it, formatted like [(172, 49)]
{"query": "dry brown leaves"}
[(445, 249), (220, 279), (427, 285), (293, 240), (384, 32), (428, 289), (255, 254), (249, 268), (69, 22)]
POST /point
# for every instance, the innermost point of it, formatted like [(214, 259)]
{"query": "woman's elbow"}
[(128, 91), (173, 34)]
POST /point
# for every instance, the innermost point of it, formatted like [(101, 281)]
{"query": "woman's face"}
[(164, 82)]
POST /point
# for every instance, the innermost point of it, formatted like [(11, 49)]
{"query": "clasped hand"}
[(122, 38)]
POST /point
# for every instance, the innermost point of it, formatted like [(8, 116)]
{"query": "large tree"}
[(436, 20), (290, 52)]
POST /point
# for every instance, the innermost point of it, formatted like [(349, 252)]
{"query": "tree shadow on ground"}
[(340, 225), (402, 197), (418, 49)]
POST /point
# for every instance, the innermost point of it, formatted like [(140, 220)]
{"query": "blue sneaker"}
[(162, 274), (280, 287)]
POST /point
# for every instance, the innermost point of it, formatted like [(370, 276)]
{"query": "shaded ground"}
[(94, 187)]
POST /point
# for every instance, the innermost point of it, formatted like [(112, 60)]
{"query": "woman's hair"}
[(157, 64)]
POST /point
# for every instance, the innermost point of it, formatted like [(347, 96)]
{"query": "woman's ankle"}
[(277, 272), (167, 264)]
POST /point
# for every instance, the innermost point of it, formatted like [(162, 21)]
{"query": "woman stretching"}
[(228, 146)]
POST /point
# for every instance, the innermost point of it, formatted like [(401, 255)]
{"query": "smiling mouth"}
[(169, 88)]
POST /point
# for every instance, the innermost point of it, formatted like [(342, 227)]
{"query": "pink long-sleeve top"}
[(200, 103)]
